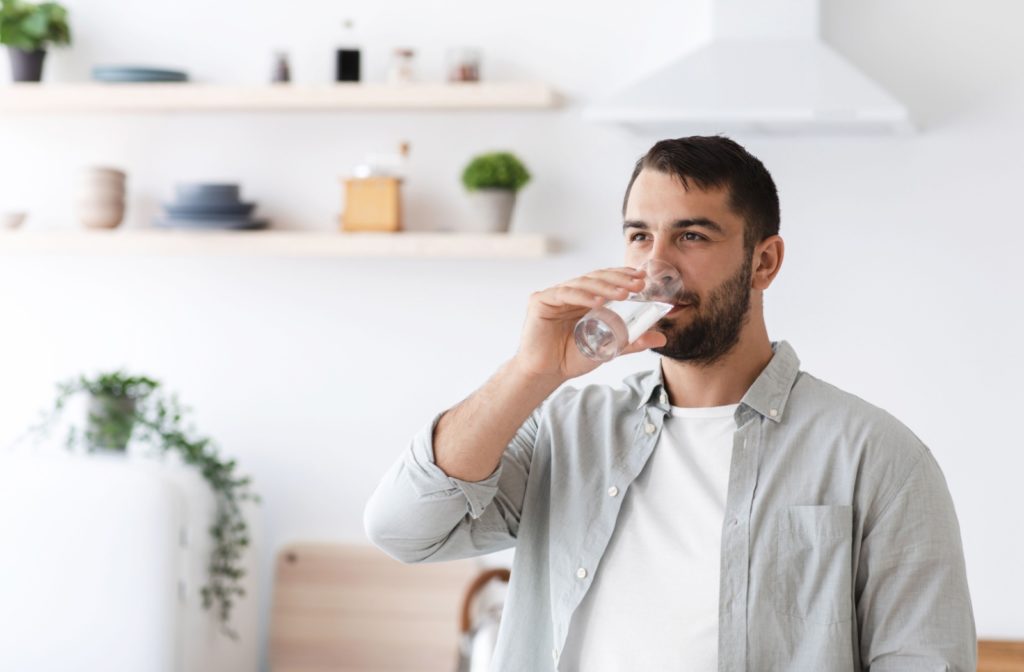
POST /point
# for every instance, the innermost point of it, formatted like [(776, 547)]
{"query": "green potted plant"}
[(27, 28), (493, 180), (123, 407), (113, 399)]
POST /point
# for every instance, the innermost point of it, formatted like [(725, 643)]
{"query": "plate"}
[(193, 210), (210, 224), (111, 77), (136, 71)]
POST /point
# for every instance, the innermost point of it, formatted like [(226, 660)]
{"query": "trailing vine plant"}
[(125, 407)]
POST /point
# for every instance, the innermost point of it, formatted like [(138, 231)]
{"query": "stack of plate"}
[(122, 73), (209, 206)]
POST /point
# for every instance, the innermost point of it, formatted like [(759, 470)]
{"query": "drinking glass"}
[(606, 331)]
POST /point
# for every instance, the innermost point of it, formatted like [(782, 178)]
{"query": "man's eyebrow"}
[(702, 222)]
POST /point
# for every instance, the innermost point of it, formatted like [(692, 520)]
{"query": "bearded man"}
[(724, 512)]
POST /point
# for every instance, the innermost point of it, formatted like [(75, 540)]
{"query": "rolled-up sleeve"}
[(913, 604), (419, 513)]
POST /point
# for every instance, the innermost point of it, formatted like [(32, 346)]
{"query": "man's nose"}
[(661, 249), (662, 253)]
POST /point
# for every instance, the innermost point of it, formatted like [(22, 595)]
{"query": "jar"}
[(464, 65), (400, 71)]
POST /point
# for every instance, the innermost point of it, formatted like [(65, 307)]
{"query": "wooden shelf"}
[(147, 242), (187, 97)]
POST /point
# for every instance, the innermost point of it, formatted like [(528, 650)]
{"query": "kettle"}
[(478, 637)]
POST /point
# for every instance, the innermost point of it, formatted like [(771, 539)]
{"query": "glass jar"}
[(400, 70), (464, 65)]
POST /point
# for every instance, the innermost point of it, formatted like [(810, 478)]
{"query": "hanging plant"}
[(124, 407)]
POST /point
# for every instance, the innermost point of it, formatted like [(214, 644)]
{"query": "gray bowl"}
[(199, 193)]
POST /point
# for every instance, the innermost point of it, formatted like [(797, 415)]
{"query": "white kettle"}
[(480, 634)]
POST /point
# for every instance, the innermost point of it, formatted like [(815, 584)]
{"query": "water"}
[(606, 331)]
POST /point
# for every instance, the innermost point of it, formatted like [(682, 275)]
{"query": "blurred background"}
[(313, 372)]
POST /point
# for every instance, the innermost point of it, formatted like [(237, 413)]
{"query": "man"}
[(724, 512)]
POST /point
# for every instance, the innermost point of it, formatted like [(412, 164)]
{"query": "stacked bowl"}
[(99, 202), (208, 206)]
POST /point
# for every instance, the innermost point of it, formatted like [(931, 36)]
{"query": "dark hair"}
[(713, 162)]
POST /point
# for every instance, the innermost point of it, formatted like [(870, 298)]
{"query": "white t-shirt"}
[(653, 604)]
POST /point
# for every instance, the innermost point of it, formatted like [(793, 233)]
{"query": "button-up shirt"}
[(840, 546)]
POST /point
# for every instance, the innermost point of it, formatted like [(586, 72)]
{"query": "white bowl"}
[(100, 216), (86, 184), (99, 197), (12, 220), (103, 172)]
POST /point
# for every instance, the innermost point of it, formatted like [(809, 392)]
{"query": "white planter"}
[(492, 209)]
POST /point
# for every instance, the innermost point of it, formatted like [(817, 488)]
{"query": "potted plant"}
[(27, 28), (123, 407), (492, 180), (113, 399)]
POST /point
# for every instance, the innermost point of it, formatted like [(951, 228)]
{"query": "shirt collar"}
[(770, 391), (768, 394)]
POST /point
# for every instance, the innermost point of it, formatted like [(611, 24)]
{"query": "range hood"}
[(765, 70)]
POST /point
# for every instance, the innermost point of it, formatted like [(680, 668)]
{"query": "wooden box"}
[(372, 204)]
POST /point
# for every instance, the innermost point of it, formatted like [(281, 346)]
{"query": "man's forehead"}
[(661, 200), (656, 186)]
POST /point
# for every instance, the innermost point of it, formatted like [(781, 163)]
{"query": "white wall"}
[(897, 286)]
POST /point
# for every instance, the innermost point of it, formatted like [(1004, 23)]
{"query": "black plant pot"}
[(27, 66)]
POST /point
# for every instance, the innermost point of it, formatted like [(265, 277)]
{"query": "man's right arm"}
[(470, 439), (459, 491)]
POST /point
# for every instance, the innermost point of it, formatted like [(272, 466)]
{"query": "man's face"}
[(696, 232)]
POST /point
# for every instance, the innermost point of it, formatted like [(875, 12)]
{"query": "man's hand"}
[(547, 349)]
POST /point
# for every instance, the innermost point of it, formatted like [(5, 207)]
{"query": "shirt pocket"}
[(813, 563)]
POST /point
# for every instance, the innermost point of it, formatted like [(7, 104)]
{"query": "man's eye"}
[(690, 235), (633, 237)]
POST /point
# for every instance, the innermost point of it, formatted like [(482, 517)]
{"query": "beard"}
[(715, 329)]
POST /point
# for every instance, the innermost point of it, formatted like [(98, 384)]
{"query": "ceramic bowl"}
[(12, 220), (198, 193), (100, 182), (99, 216), (103, 172), (100, 193)]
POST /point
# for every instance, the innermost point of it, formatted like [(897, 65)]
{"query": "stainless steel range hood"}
[(765, 70)]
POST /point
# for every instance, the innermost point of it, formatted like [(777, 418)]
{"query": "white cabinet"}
[(101, 562)]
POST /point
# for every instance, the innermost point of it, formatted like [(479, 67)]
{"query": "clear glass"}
[(604, 332)]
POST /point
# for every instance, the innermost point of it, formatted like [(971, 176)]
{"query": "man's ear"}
[(767, 261)]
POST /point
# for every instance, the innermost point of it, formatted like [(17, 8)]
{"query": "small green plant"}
[(111, 415), (496, 170), (31, 27), (128, 406)]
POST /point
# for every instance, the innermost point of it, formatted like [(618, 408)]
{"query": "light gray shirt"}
[(840, 546)]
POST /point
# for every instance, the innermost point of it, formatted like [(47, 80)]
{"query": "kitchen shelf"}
[(143, 242), (187, 97)]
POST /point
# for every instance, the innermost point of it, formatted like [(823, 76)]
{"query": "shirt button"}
[(773, 412), (613, 491), (664, 398), (581, 573), (554, 655), (734, 522), (649, 428)]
